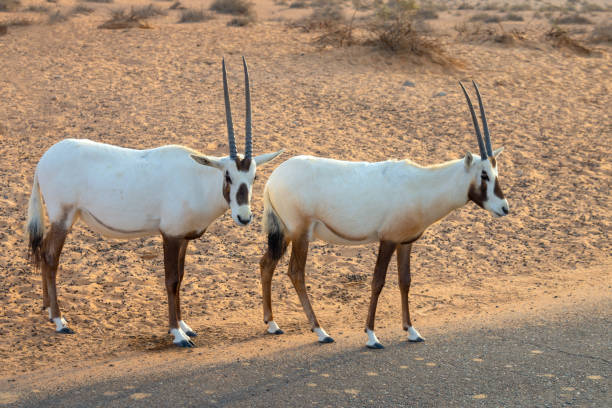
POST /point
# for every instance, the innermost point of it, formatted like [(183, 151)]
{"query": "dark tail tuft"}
[(35, 238), (276, 237)]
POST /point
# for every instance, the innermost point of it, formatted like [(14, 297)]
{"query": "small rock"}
[(409, 83), (440, 94)]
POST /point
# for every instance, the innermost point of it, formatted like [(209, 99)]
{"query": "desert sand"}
[(142, 88)]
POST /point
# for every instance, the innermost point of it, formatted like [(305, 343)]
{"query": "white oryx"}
[(127, 193), (352, 203)]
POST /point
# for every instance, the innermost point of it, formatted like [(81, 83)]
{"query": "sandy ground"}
[(145, 88)]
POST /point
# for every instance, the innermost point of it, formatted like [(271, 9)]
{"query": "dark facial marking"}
[(243, 165), (226, 191), (242, 196), (478, 195), (493, 162), (497, 190)]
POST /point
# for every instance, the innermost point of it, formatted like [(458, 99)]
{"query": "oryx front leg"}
[(181, 273), (403, 267), (267, 265), (172, 254), (378, 282), (297, 266)]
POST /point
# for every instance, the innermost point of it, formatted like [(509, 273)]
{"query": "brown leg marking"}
[(267, 265), (52, 248), (385, 251), (297, 264), (181, 273), (45, 292), (172, 249), (403, 269)]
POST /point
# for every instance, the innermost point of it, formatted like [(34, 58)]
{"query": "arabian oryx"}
[(126, 193), (353, 203)]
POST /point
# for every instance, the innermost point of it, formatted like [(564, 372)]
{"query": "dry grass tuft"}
[(81, 9), (513, 17), (234, 7), (56, 17), (98, 1), (329, 17), (195, 16), (485, 18), (572, 19), (601, 34), (37, 8), (120, 19), (299, 4), (242, 21), (147, 11), (480, 33), (561, 39), (177, 6), (9, 5)]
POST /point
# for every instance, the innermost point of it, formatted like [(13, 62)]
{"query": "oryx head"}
[(484, 188), (238, 170)]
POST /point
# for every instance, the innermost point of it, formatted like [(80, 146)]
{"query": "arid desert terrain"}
[(318, 90)]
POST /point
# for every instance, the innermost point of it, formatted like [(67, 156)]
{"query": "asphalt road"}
[(560, 361)]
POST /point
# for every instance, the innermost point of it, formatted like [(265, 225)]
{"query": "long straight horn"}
[(228, 116), (483, 153), (485, 126), (248, 142)]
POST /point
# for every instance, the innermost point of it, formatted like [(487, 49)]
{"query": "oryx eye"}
[(255, 178), (228, 179), (484, 176)]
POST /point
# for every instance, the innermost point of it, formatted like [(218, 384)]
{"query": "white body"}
[(127, 193), (353, 203)]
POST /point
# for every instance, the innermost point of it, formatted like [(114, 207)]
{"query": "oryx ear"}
[(496, 152), (264, 158), (469, 160), (208, 161)]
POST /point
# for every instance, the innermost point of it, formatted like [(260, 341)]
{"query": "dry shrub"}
[(426, 14), (9, 5), (601, 34), (299, 4), (81, 9), (121, 19), (393, 28), (519, 7), (572, 19), (37, 8), (561, 39), (330, 17), (242, 21), (494, 34), (485, 18), (234, 7), (147, 11), (465, 6), (177, 6), (513, 17), (592, 8), (98, 1), (195, 16), (56, 17)]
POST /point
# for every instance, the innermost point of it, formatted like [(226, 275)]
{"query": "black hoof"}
[(418, 340), (185, 343), (326, 340), (279, 331), (66, 330), (191, 333), (375, 346)]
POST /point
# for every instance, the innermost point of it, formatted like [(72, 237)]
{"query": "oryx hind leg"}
[(385, 251), (297, 266), (403, 267), (267, 266), (53, 243)]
